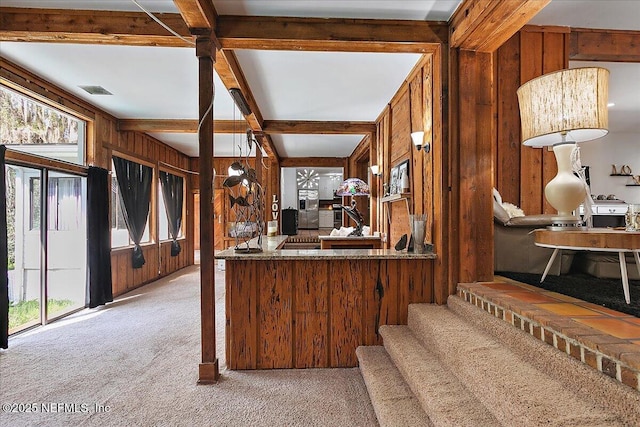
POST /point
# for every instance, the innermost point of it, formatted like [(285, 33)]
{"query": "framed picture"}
[(394, 185), (403, 177)]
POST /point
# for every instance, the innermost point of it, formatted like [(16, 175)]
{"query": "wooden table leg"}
[(636, 255), (625, 279), (546, 269)]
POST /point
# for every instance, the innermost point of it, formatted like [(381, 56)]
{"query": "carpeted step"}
[(394, 403), (511, 388), (587, 382), (442, 396)]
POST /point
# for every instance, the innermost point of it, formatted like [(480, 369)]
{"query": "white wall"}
[(615, 148)]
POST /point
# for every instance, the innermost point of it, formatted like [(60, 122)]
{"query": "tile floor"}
[(597, 336)]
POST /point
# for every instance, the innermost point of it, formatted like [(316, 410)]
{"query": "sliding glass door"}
[(66, 241), (24, 201), (46, 227)]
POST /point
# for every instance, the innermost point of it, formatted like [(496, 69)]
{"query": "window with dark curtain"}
[(172, 192), (98, 237), (134, 182)]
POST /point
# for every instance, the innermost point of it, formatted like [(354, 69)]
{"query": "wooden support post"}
[(208, 371)]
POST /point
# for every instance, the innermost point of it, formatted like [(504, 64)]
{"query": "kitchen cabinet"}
[(326, 188), (326, 218)]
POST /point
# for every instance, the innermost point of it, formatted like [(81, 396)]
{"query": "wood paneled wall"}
[(413, 109), (159, 262), (410, 110), (522, 172), (103, 138)]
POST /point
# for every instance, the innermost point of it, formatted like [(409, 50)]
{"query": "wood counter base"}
[(293, 313)]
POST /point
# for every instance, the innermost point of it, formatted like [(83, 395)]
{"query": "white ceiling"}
[(151, 82)]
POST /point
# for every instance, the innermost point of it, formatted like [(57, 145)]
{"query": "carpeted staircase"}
[(456, 365)]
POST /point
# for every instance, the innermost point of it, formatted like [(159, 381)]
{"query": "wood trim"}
[(331, 162), (308, 127), (39, 162), (179, 125), (91, 27), (604, 45), (21, 80), (329, 34), (484, 25)]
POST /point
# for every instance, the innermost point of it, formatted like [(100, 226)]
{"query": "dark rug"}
[(604, 292)]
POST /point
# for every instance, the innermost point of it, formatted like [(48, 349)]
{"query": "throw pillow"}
[(512, 210)]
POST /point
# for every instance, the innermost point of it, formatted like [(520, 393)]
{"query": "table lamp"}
[(353, 187), (560, 109)]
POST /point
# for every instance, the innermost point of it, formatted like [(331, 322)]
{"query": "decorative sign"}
[(275, 211)]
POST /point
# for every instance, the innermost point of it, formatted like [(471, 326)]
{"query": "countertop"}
[(270, 251)]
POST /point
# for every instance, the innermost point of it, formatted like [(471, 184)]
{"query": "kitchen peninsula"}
[(312, 308)]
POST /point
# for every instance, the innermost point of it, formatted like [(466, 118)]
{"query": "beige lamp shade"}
[(566, 105)]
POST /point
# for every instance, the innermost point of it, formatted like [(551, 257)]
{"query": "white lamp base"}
[(565, 191)]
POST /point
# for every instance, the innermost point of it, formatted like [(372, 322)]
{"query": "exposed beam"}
[(179, 126), (91, 27), (199, 15), (484, 25), (316, 127), (329, 34), (604, 45), (329, 162)]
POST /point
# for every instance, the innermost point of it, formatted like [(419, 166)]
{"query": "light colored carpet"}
[(139, 357)]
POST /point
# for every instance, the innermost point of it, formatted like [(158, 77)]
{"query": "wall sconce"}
[(375, 170), (418, 140)]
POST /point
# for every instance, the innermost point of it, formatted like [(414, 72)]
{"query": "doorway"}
[(46, 230)]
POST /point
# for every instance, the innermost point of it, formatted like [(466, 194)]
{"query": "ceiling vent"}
[(95, 90)]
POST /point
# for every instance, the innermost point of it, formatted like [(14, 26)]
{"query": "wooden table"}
[(594, 239), (350, 242)]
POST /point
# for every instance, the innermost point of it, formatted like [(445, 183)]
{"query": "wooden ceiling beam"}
[(484, 25), (302, 127), (329, 34), (317, 162), (91, 27), (199, 15), (604, 45), (179, 125)]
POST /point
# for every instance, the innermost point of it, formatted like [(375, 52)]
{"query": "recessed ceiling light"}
[(95, 90), (611, 104)]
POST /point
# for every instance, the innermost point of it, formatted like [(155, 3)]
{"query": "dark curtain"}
[(99, 237), (134, 183), (4, 256), (172, 192)]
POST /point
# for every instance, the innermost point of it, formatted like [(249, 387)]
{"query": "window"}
[(119, 233), (30, 126), (65, 198), (34, 206), (163, 219)]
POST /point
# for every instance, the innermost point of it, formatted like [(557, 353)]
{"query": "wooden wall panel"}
[(528, 54), (275, 326), (315, 313), (242, 322), (508, 131), (399, 221), (311, 302), (417, 171), (400, 127), (427, 158), (346, 329), (531, 184)]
